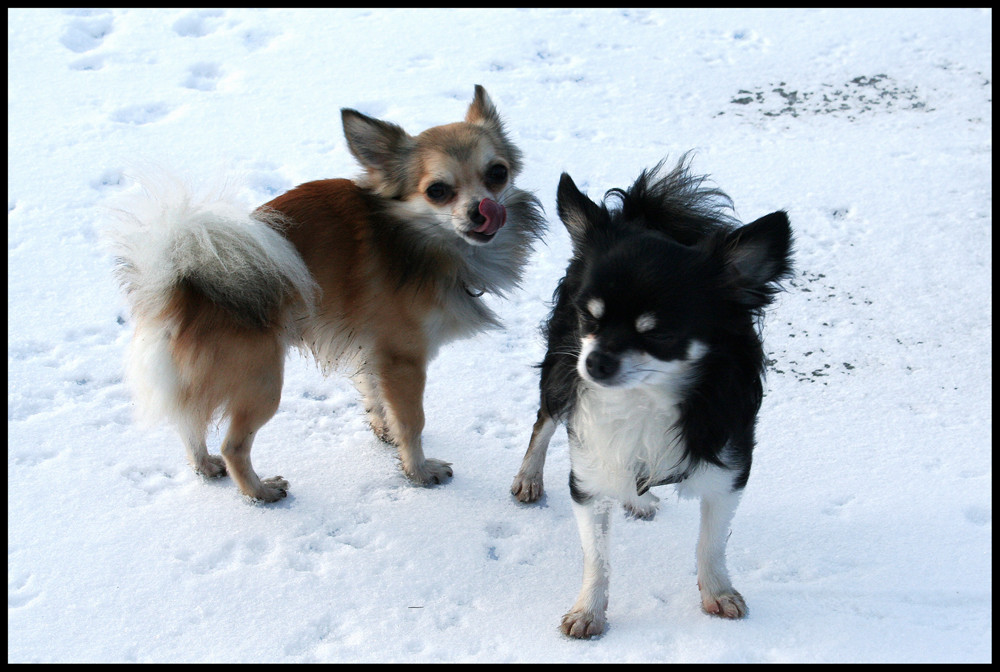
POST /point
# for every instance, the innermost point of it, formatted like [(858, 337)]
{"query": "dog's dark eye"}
[(588, 323), (662, 339), (438, 191), (497, 174)]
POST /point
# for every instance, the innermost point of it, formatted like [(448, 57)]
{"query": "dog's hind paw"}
[(640, 513), (644, 509), (270, 490), (727, 605), (381, 431), (582, 624), (212, 466), (429, 472), (527, 488)]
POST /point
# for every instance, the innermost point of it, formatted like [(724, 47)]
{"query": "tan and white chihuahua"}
[(372, 276)]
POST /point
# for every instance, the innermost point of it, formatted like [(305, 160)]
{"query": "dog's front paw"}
[(726, 605), (527, 488), (582, 624), (429, 472)]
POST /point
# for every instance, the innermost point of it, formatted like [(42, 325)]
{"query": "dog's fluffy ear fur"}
[(481, 110), (759, 255), (380, 146), (578, 213)]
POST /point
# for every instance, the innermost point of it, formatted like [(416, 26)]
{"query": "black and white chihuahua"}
[(654, 364)]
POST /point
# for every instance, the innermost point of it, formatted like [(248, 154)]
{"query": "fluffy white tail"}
[(165, 240), (166, 235)]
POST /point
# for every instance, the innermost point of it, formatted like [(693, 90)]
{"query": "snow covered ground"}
[(865, 533)]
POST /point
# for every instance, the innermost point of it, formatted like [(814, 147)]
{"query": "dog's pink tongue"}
[(495, 214)]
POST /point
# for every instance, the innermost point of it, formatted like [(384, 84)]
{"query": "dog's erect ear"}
[(759, 255), (481, 110), (483, 113), (382, 148), (377, 144), (578, 213)]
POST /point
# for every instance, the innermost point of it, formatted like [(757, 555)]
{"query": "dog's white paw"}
[(582, 624), (429, 472), (527, 488), (726, 605)]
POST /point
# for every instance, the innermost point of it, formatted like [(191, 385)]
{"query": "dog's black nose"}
[(475, 216), (601, 365)]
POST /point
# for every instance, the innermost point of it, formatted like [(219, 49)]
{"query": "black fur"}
[(670, 247)]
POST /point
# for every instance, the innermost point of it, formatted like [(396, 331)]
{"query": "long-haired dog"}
[(654, 364), (372, 276)]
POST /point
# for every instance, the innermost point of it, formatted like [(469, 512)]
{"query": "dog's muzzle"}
[(602, 366), (491, 217)]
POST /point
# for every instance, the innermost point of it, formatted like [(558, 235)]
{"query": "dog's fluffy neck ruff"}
[(493, 268), (424, 255), (624, 439)]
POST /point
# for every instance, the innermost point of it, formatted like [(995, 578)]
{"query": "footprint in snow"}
[(203, 76), (211, 558), (150, 480), (257, 38), (978, 515), (86, 33), (837, 505), (109, 179), (497, 532), (92, 62), (20, 591), (144, 113), (198, 24)]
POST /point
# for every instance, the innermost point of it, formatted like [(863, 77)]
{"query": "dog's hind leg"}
[(236, 451), (193, 430), (367, 385), (401, 379), (527, 486), (253, 400), (718, 596)]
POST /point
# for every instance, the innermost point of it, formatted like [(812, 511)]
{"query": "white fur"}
[(461, 315), (495, 267), (165, 231), (639, 368), (621, 432), (629, 428), (587, 615), (152, 376), (645, 322)]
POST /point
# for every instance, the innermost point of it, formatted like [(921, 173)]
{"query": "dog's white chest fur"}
[(459, 314), (621, 435)]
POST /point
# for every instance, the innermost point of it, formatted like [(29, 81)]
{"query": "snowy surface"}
[(865, 533)]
